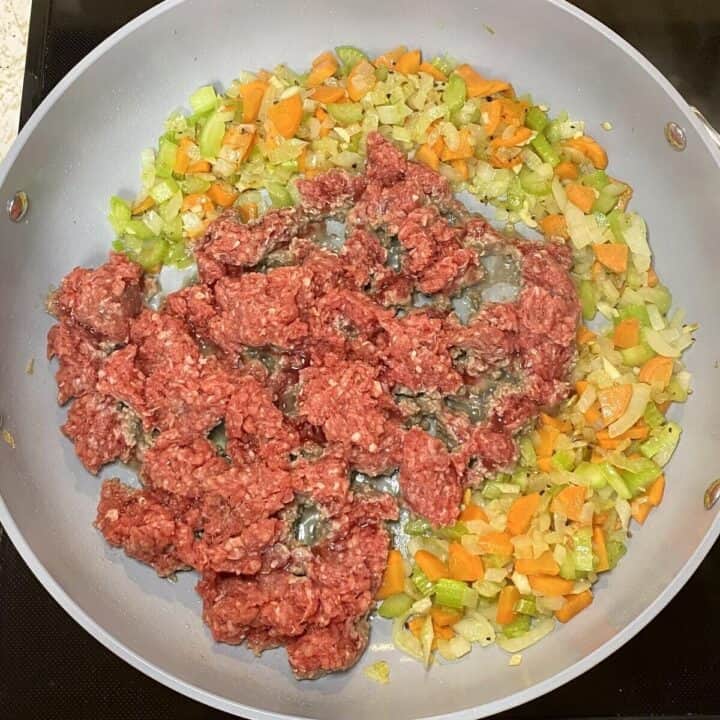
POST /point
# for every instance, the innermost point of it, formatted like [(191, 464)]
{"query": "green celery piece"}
[(345, 113), (637, 355), (527, 605), (660, 296), (395, 606), (165, 161), (391, 114), (422, 582), (563, 459), (545, 150), (590, 474), (527, 452), (468, 113), (349, 57), (676, 391), (644, 471), (173, 229), (163, 190), (634, 311), (138, 229), (519, 626), (588, 299), (179, 256), (615, 480), (444, 64), (615, 551), (520, 477), (652, 416), (515, 194), (533, 183), (496, 561), (203, 100), (417, 526), (455, 93), (120, 214), (619, 223), (582, 553), (279, 195), (567, 567), (597, 179), (604, 202), (491, 491), (192, 185), (452, 532), (381, 73), (536, 119), (454, 594), (661, 445), (211, 136), (152, 255), (118, 245)]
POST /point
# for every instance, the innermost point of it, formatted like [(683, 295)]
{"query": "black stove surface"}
[(51, 668)]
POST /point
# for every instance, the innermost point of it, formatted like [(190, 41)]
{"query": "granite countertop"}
[(14, 22)]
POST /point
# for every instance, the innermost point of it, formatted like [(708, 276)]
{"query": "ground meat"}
[(103, 300), (298, 361)]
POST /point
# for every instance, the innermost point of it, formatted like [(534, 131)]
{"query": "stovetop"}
[(51, 668)]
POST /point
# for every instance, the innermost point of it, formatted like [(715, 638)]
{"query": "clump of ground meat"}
[(253, 397)]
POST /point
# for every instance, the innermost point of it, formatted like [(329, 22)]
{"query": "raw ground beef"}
[(295, 364)]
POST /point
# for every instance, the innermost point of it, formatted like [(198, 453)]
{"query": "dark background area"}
[(52, 669)]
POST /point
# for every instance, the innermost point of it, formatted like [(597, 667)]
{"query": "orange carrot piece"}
[(248, 211), (581, 196), (328, 94), (393, 581), (473, 512), (543, 565), (593, 416), (286, 115), (585, 335), (640, 508), (498, 162), (569, 501), (567, 170), (547, 437), (199, 166), (427, 156), (600, 549), (627, 333), (573, 605), (464, 150), (560, 425), (614, 256), (477, 85), (513, 111), (554, 226), (521, 512), (653, 279), (430, 69), (182, 159), (143, 206), (416, 625), (409, 63), (361, 80), (443, 632), (252, 95), (239, 139), (521, 135), (590, 149), (438, 146), (507, 600), (495, 543), (614, 401), (461, 168), (494, 115), (545, 464), (431, 565), (389, 58), (550, 585), (443, 617), (464, 565), (222, 194), (323, 67), (197, 200), (657, 371), (656, 491)]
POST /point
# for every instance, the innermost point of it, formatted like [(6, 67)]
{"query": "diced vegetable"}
[(509, 597), (203, 100), (573, 605), (393, 581), (455, 594), (432, 566), (395, 605)]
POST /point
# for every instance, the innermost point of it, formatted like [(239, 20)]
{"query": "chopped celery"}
[(536, 119), (455, 594), (597, 179), (152, 255), (582, 553), (153, 220), (515, 194), (496, 561), (661, 445), (171, 208), (395, 605), (138, 229), (519, 626), (178, 255), (391, 114), (614, 479), (422, 582), (527, 452), (634, 311), (345, 113), (167, 152), (652, 416), (520, 477), (349, 56), (533, 182), (279, 195), (117, 245), (193, 185), (487, 588), (677, 391), (527, 605), (619, 224), (615, 551), (468, 113), (203, 100), (444, 64), (545, 150), (641, 473), (452, 532), (492, 490), (567, 567), (163, 190), (381, 73), (660, 296), (637, 355), (588, 299), (590, 474), (211, 136), (417, 526), (563, 459), (120, 214), (379, 672), (455, 93), (604, 202)]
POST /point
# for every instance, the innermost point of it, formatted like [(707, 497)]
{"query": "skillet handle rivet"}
[(17, 206), (675, 135), (712, 494)]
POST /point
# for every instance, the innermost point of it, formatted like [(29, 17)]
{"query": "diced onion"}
[(635, 409)]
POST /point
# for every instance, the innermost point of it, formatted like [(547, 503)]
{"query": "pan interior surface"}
[(85, 147)]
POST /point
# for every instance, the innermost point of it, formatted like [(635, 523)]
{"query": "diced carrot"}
[(409, 63), (182, 158), (600, 519), (495, 543), (473, 512), (596, 270), (543, 565), (521, 512), (585, 335), (652, 277), (143, 206), (286, 115), (590, 149), (361, 80), (656, 491), (415, 625), (596, 458), (640, 508), (600, 549), (657, 371), (513, 111), (464, 565), (439, 146), (323, 67), (593, 416), (477, 85), (222, 194), (393, 581), (569, 501), (461, 168), (614, 256), (581, 386), (199, 166), (573, 605), (627, 333), (567, 170), (252, 95), (521, 135), (545, 464), (328, 94), (443, 617), (550, 585), (554, 226), (663, 406), (431, 565), (464, 150), (560, 425), (614, 401), (248, 211), (604, 440), (443, 632), (494, 114), (639, 431), (427, 156), (197, 201), (581, 196), (507, 600), (389, 58), (547, 437), (508, 163)]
